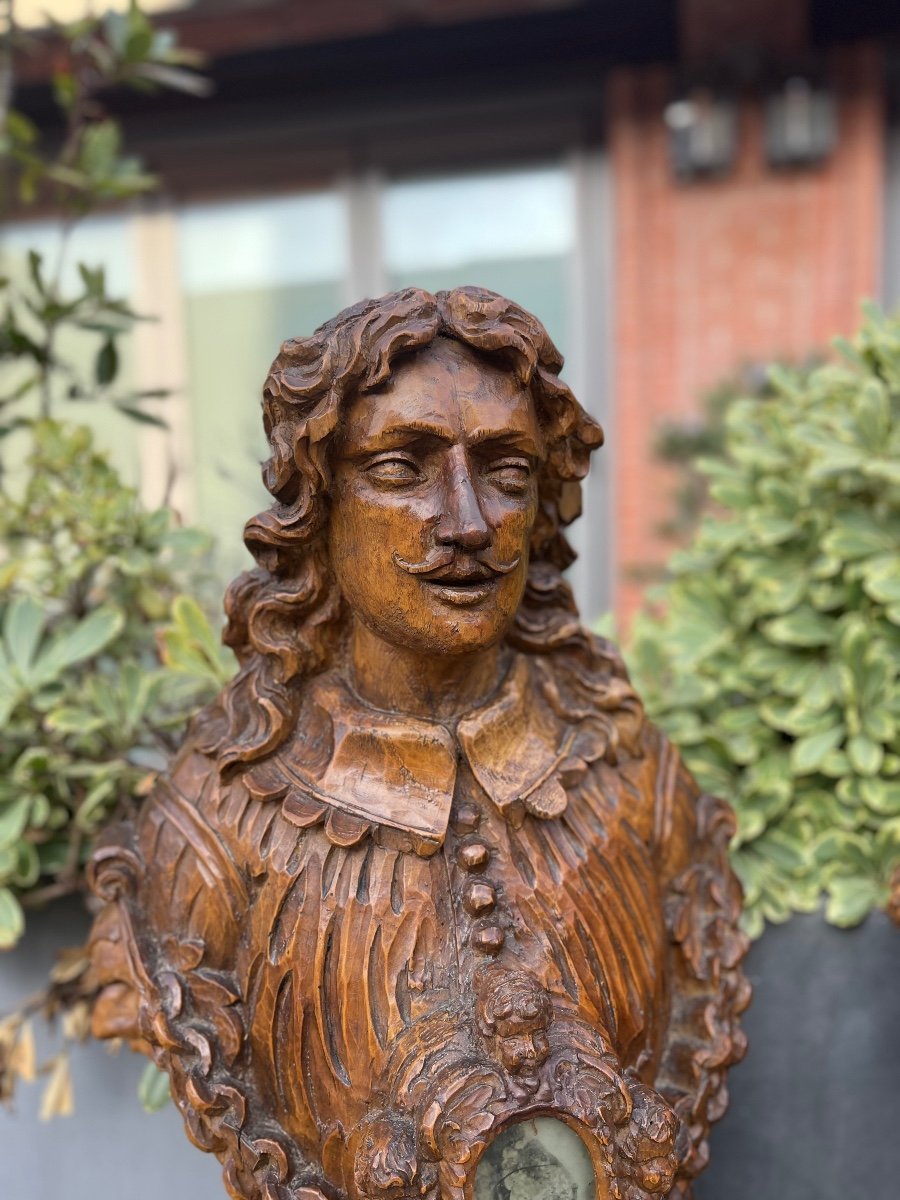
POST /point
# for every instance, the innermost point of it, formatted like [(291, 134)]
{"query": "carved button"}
[(479, 899), (466, 819), (474, 856), (488, 940)]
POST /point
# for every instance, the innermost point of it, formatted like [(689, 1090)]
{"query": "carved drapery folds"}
[(499, 1041)]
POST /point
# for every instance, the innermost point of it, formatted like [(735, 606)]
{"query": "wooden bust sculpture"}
[(424, 870)]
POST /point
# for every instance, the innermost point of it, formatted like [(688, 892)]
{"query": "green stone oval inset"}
[(537, 1160)]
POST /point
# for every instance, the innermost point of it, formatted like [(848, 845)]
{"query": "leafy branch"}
[(83, 170), (103, 658)]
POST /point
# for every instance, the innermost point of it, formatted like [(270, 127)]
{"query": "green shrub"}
[(92, 586), (773, 658), (90, 593)]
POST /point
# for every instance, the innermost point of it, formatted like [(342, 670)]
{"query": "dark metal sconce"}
[(702, 126), (800, 123)]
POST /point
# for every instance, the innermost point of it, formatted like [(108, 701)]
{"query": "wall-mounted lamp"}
[(800, 122), (702, 126)]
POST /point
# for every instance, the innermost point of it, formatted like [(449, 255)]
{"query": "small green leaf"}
[(12, 919), (20, 128), (87, 638), (802, 627), (778, 848), (142, 418), (94, 279), (881, 796), (153, 1089), (35, 263), (851, 899), (857, 535), (107, 364), (192, 646), (65, 90), (753, 923), (22, 626), (882, 580), (100, 144), (13, 819), (40, 811), (772, 530), (69, 720), (89, 810), (884, 469), (872, 409), (808, 753), (865, 756), (139, 38), (28, 867)]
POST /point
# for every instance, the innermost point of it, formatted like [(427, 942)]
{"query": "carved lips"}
[(461, 579)]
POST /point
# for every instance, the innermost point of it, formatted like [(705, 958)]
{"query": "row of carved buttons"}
[(479, 897)]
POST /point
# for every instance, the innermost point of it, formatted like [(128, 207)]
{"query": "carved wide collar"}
[(363, 772)]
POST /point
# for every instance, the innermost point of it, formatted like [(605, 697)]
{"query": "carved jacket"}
[(362, 957)]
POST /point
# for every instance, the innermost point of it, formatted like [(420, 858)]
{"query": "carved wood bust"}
[(424, 870)]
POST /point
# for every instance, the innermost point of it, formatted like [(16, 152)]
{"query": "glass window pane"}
[(511, 231), (254, 273)]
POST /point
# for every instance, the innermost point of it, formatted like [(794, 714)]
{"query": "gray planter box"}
[(815, 1106), (110, 1149)]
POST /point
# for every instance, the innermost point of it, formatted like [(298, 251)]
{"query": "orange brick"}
[(711, 275)]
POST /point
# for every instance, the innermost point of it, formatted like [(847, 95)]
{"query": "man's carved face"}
[(434, 501)]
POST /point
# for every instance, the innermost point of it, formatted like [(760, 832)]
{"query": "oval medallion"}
[(537, 1160)]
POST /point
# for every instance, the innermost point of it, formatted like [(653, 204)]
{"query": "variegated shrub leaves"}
[(773, 657)]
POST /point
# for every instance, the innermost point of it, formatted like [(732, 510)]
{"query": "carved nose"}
[(462, 522)]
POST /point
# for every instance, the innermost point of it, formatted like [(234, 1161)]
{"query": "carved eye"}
[(511, 475), (393, 472)]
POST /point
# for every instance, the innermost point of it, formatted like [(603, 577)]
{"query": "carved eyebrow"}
[(441, 433), (394, 434), (520, 438)]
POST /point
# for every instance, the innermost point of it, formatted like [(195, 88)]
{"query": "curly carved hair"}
[(285, 618)]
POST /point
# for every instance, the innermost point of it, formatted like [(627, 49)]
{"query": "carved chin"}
[(521, 1064)]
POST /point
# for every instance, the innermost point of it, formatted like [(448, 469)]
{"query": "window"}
[(511, 231), (252, 273)]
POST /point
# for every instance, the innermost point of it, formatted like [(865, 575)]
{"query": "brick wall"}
[(710, 275)]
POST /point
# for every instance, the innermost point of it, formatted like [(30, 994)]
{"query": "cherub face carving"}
[(514, 1015), (434, 502)]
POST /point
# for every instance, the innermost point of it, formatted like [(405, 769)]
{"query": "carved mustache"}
[(442, 562)]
